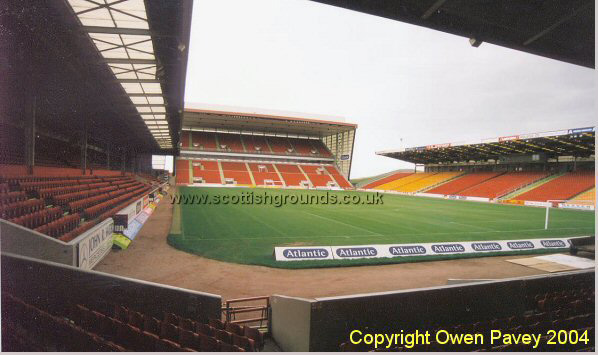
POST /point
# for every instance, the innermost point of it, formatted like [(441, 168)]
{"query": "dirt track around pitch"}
[(150, 258)]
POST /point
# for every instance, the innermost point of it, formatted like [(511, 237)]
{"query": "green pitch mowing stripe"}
[(247, 234)]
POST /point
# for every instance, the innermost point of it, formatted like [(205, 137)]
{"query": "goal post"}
[(587, 205)]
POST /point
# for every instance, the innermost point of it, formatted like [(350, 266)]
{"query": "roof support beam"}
[(555, 25), (153, 81), (433, 9), (130, 61), (119, 31), (148, 95)]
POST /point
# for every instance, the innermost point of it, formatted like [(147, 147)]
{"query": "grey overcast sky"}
[(393, 79)]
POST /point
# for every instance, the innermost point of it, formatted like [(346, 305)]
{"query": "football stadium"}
[(259, 238)]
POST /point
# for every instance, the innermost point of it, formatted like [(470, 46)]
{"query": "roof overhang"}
[(245, 122), (561, 30), (578, 142), (145, 46)]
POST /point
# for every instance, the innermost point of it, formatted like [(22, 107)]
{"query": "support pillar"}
[(29, 130), (122, 169), (84, 152), (108, 158)]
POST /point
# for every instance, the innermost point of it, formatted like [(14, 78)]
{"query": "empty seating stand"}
[(203, 141), (89, 328), (561, 188), (236, 171), (41, 217), (253, 144), (256, 144), (567, 310), (71, 200), (340, 179), (207, 171), (403, 181), (503, 184), (586, 198), (230, 143), (280, 145), (19, 208), (318, 175), (461, 183), (264, 174), (292, 175), (183, 174), (428, 181), (385, 180)]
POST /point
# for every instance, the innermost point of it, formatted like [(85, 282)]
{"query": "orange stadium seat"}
[(291, 174), (503, 184), (293, 179), (561, 188), (207, 170), (387, 179), (233, 166), (182, 172), (230, 142), (340, 179), (461, 183), (318, 175), (288, 168), (236, 171), (256, 144), (303, 146), (585, 198), (280, 145), (185, 139), (240, 177), (320, 180), (313, 169), (428, 181), (203, 140), (262, 172)]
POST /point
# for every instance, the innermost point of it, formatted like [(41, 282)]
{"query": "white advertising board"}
[(414, 249), (95, 244)]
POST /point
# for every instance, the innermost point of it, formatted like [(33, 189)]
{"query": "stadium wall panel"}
[(23, 241), (290, 322)]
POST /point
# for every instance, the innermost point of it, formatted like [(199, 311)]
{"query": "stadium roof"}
[(577, 142), (235, 120), (118, 65), (558, 29)]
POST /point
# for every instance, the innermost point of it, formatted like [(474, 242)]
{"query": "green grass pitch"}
[(247, 234)]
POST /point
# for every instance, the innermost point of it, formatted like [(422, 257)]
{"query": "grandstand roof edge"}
[(276, 117), (555, 133)]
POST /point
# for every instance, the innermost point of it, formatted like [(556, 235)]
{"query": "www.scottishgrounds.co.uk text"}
[(277, 200)]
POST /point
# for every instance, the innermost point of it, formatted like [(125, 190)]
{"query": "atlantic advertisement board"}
[(291, 253)]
